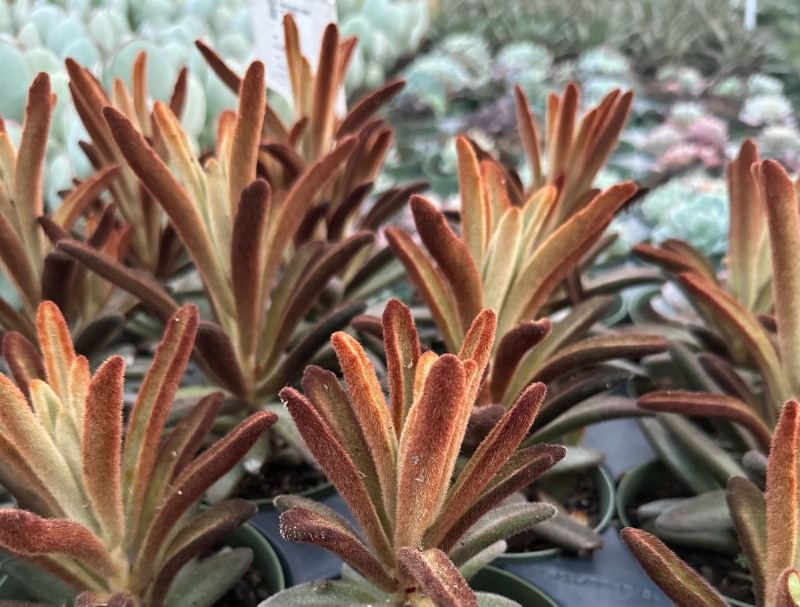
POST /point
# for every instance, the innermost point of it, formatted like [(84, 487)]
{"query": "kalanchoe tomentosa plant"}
[(27, 236), (287, 152), (393, 466), (238, 231), (741, 391), (107, 511), (154, 244), (768, 526)]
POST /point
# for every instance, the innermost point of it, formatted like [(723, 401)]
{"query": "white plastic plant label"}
[(311, 16)]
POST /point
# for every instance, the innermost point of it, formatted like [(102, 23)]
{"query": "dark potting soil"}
[(248, 592), (582, 503), (284, 473), (722, 571)]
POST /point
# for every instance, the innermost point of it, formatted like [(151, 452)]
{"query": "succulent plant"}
[(154, 247), (222, 213), (681, 80), (717, 385), (386, 30), (782, 143), (105, 513), (507, 261), (393, 467), (766, 524), (693, 209), (28, 236), (603, 61), (337, 212), (766, 110)]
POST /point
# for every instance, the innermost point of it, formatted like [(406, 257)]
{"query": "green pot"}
[(640, 480), (265, 560), (605, 487), (320, 492), (497, 581)]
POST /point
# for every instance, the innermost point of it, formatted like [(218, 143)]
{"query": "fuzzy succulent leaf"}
[(437, 576), (679, 582)]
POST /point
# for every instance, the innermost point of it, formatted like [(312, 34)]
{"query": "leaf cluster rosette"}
[(393, 465), (107, 509), (28, 256)]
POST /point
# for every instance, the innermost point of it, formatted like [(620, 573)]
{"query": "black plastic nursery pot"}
[(497, 581), (265, 561), (640, 481), (605, 487)]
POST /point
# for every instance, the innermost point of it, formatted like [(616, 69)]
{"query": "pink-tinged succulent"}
[(768, 527), (238, 230), (393, 466), (27, 237), (107, 509), (287, 152)]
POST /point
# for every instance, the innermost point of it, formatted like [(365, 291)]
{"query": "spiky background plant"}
[(27, 236), (767, 526), (288, 151), (238, 232), (106, 511), (393, 466), (744, 411), (154, 244)]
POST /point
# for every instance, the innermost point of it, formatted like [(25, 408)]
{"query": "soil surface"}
[(282, 474), (248, 592), (582, 502), (723, 571)]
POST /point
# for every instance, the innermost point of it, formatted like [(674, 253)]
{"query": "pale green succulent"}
[(693, 209), (603, 61)]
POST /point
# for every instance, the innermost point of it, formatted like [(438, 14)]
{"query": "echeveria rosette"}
[(393, 466)]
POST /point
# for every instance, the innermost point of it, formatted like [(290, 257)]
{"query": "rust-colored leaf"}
[(372, 412), (216, 353), (510, 351), (152, 404), (437, 418), (748, 510), (783, 488), (783, 221), (402, 347), (301, 525), (25, 534), (492, 453), (193, 482), (519, 471), (56, 345), (339, 467), (423, 275), (136, 282), (471, 189), (102, 444), (365, 107), (247, 134), (249, 232), (23, 359), (452, 256), (437, 576), (676, 579), (699, 404)]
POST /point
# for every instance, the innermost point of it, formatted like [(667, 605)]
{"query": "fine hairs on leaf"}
[(393, 464), (111, 511)]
